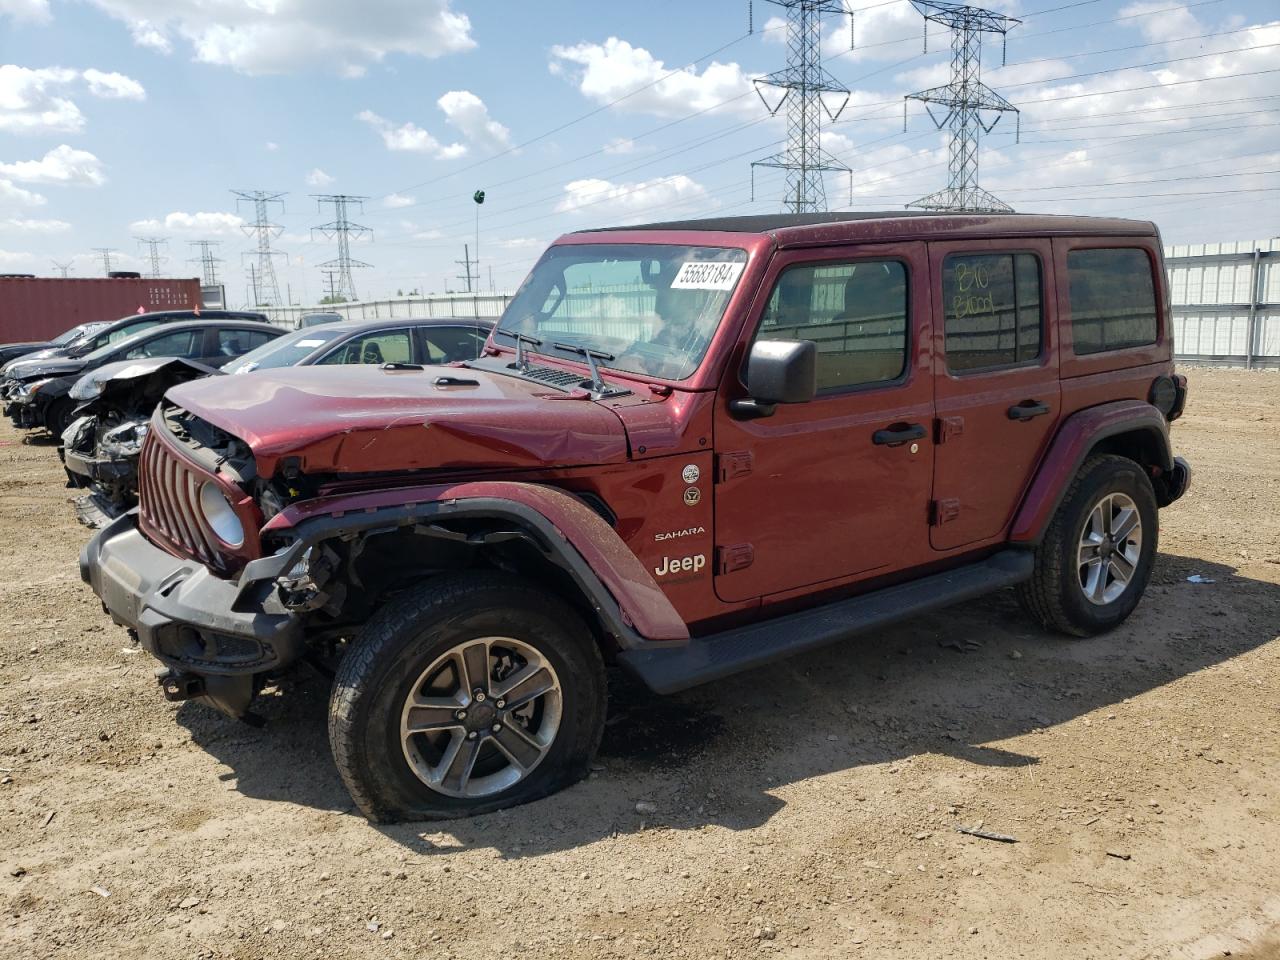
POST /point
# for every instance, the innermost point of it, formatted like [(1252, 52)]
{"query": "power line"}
[(266, 290), (341, 228)]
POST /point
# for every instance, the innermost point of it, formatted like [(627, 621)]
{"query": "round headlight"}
[(220, 515)]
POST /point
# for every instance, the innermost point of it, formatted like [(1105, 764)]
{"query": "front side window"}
[(184, 343), (373, 348), (641, 308), (993, 310), (855, 312), (1113, 299)]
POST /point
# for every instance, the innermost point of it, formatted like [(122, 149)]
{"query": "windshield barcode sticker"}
[(707, 275)]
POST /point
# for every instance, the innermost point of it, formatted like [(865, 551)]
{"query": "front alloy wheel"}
[(481, 717), (467, 693)]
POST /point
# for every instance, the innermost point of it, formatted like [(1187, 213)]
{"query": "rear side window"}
[(993, 310), (448, 344), (855, 312), (233, 343), (1113, 299), (374, 348)]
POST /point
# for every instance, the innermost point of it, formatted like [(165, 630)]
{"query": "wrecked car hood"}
[(29, 369), (361, 419), (170, 370)]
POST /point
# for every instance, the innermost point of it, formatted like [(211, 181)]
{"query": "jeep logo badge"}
[(672, 565), (691, 473), (692, 496)]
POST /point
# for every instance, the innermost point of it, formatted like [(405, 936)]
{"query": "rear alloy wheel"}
[(470, 693), (1095, 559)]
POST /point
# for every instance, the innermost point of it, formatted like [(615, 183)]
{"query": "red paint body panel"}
[(820, 511), (583, 530), (43, 307), (985, 465), (362, 419), (1078, 434)]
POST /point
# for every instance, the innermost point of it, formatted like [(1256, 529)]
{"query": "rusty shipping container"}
[(39, 308)]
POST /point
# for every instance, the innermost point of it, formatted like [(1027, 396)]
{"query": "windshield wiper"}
[(521, 339), (597, 384)]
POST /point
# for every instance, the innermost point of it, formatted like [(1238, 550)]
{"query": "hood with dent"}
[(150, 375), (363, 419), (30, 368)]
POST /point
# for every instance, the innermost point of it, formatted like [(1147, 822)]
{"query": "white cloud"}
[(410, 137), (318, 178), (63, 165), (15, 259), (521, 243), (614, 69), (30, 11), (282, 36), (34, 226), (204, 224), (114, 86), (604, 197), (396, 200), (11, 196), (272, 146), (467, 114), (1173, 22), (28, 103), (35, 101)]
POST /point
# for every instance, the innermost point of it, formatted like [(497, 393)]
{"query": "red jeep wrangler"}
[(691, 448)]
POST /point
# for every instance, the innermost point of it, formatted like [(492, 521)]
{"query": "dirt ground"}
[(804, 811)]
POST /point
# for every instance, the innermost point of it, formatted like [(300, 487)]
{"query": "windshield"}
[(640, 308), (74, 333), (284, 352)]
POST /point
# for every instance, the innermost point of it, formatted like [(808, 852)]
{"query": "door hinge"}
[(948, 428), (735, 464), (943, 511), (737, 556)]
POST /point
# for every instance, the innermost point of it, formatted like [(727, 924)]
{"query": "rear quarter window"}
[(1113, 299)]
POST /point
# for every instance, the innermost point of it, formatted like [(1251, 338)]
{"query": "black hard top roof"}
[(889, 224)]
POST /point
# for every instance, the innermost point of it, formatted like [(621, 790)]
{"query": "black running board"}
[(672, 669)]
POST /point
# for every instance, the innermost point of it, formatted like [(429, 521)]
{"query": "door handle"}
[(1028, 410), (892, 436)]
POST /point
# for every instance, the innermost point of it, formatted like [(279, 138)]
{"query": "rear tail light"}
[(1163, 395)]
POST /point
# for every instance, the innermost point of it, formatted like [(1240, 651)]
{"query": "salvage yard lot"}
[(807, 810)]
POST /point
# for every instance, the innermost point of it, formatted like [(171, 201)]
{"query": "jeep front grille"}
[(168, 504)]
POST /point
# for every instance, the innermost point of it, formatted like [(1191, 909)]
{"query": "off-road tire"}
[(1053, 594), (407, 634)]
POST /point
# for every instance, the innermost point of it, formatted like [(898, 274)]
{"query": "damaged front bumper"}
[(216, 636)]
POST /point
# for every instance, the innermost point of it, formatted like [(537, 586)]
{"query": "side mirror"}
[(778, 371)]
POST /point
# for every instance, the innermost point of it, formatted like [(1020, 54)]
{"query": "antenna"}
[(808, 91), (341, 229), (266, 289), (965, 98), (208, 262)]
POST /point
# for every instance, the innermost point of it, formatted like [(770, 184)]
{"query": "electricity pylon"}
[(208, 262), (341, 229), (265, 287), (105, 253), (808, 92), (154, 244), (966, 98)]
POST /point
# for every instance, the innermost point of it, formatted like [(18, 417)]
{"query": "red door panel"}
[(998, 401), (807, 496)]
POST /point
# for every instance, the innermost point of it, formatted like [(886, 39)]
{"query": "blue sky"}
[(125, 118)]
